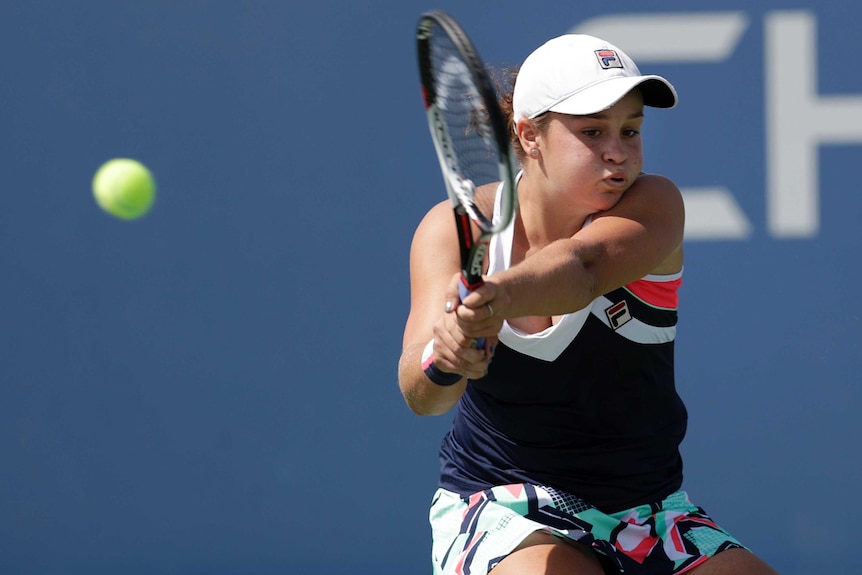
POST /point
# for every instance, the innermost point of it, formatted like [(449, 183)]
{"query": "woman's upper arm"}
[(642, 234), (434, 258)]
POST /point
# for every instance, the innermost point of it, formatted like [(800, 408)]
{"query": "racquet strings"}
[(465, 114)]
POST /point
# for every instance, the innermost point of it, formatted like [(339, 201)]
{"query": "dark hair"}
[(504, 80)]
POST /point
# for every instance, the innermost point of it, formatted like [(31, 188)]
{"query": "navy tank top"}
[(588, 406)]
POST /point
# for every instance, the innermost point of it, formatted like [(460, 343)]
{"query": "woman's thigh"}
[(734, 562), (544, 554)]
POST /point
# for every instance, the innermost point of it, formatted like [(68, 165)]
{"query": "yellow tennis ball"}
[(124, 188)]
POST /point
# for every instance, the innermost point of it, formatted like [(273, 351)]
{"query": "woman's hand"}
[(464, 323)]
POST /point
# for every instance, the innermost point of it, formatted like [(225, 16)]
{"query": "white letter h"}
[(797, 122)]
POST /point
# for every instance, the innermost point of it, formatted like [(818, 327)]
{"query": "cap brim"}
[(657, 93)]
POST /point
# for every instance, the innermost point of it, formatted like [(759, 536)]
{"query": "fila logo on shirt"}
[(608, 59), (618, 314)]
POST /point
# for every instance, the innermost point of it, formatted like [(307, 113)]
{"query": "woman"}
[(563, 457)]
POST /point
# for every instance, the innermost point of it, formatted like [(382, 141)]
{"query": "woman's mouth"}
[(617, 179)]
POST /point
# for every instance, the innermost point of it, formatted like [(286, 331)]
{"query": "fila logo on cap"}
[(608, 59)]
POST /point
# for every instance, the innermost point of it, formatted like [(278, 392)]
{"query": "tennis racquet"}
[(470, 136)]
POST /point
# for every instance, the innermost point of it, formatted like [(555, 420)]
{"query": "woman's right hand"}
[(455, 350)]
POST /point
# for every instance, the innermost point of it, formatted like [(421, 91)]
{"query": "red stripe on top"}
[(657, 294)]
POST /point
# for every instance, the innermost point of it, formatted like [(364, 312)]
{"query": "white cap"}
[(579, 75)]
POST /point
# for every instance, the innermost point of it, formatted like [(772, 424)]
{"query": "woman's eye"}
[(630, 133), (590, 133)]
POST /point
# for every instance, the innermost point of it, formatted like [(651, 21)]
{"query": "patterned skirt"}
[(472, 534)]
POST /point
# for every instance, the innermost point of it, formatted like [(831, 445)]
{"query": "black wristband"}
[(441, 377)]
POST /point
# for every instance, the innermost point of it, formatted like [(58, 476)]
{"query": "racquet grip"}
[(463, 292)]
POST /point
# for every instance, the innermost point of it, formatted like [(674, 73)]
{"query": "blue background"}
[(212, 389)]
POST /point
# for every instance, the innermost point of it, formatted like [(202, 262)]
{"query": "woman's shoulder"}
[(485, 197), (437, 222), (650, 193), (656, 182)]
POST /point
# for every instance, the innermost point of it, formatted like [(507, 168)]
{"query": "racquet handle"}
[(463, 292)]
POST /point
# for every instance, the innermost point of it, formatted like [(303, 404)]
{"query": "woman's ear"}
[(527, 134)]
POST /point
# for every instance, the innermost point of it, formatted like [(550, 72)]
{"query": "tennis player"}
[(563, 456)]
